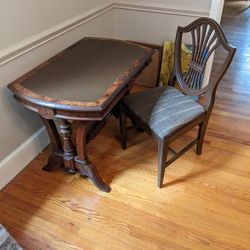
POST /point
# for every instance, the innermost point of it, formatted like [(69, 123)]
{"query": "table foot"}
[(64, 154), (70, 171), (54, 161), (86, 168), (57, 161)]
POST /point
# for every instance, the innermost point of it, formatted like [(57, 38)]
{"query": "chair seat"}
[(164, 109)]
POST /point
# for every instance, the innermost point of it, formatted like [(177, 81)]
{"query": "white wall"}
[(148, 26), (216, 9), (156, 21)]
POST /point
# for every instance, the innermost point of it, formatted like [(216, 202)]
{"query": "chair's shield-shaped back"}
[(206, 36)]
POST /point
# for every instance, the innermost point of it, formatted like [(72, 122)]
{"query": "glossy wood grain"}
[(205, 203)]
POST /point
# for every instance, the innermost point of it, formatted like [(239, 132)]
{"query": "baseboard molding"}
[(59, 30), (18, 159), (157, 8)]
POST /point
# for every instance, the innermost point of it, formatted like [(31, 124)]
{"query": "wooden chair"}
[(166, 112)]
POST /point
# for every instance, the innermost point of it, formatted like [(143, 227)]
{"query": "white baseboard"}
[(160, 9), (25, 153)]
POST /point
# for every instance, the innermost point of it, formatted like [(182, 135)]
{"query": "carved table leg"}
[(83, 164), (56, 157), (68, 146)]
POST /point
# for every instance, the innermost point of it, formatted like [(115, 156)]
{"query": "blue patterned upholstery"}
[(164, 109)]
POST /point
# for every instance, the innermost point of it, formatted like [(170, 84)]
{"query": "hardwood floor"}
[(204, 204)]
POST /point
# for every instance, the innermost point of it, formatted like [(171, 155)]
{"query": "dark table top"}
[(87, 72)]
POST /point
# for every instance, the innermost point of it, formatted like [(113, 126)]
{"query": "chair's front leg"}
[(201, 135), (162, 158)]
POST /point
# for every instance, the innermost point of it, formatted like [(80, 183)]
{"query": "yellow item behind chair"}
[(168, 60)]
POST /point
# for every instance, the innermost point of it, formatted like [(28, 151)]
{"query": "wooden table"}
[(84, 82)]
